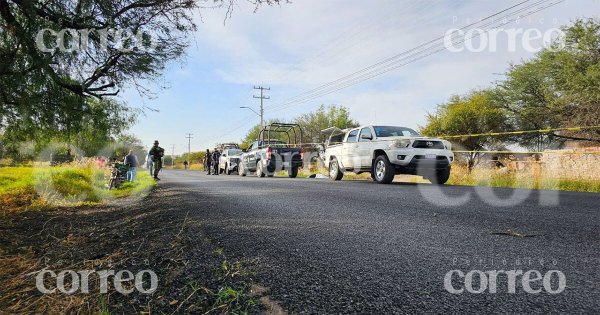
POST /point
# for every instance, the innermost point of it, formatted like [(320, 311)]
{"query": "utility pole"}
[(262, 97), (189, 136), (173, 156)]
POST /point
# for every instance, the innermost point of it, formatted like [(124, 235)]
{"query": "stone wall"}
[(574, 165)]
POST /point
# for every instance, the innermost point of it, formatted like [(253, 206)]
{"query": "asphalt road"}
[(360, 247)]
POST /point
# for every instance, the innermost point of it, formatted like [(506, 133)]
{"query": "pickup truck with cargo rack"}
[(386, 151), (269, 154)]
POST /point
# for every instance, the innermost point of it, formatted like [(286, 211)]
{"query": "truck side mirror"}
[(366, 137)]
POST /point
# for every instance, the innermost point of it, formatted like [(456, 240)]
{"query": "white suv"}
[(385, 151), (229, 160)]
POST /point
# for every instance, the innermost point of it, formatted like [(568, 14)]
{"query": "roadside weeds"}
[(195, 275)]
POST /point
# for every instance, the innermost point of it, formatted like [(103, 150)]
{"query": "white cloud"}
[(299, 46)]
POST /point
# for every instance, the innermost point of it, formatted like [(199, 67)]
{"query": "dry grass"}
[(193, 167), (530, 178), (17, 274)]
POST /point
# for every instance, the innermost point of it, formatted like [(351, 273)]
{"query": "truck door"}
[(251, 156), (365, 147), (349, 157), (223, 159)]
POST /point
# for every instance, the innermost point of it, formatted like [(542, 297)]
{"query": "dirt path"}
[(194, 273)]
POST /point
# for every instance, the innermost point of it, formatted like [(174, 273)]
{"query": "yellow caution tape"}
[(521, 132), (545, 152)]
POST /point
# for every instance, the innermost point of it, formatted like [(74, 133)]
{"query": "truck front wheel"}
[(259, 169), (441, 176), (334, 170), (241, 170), (383, 170)]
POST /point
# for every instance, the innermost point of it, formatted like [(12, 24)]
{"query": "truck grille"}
[(233, 160), (425, 144), (438, 158)]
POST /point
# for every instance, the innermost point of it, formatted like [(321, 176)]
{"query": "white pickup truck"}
[(385, 151)]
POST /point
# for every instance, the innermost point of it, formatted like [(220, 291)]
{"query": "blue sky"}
[(296, 47)]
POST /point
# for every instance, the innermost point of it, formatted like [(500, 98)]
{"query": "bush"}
[(70, 185)]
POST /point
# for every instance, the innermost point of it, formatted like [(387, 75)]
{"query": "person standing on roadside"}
[(208, 162), (185, 165), (216, 155), (157, 154), (132, 161), (149, 163)]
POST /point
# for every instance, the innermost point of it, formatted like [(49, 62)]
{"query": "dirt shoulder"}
[(194, 274)]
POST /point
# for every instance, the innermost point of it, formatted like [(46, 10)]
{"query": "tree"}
[(194, 158), (323, 118), (106, 43), (57, 54), (473, 113), (123, 144), (560, 87), (576, 76), (90, 128)]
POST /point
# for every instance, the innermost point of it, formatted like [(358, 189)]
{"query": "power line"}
[(334, 43), (393, 58), (408, 56)]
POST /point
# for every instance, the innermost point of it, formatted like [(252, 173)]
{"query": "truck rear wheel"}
[(383, 170), (334, 170), (293, 173)]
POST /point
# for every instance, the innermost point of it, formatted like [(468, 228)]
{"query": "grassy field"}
[(72, 185), (528, 179), (193, 167)]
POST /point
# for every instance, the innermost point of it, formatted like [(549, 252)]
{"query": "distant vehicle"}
[(229, 160), (267, 155), (226, 146), (385, 151)]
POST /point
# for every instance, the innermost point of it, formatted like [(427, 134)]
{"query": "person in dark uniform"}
[(208, 162), (157, 154), (216, 155)]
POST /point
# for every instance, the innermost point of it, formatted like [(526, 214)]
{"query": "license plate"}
[(430, 156)]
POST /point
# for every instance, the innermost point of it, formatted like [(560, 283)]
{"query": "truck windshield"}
[(234, 152), (387, 131)]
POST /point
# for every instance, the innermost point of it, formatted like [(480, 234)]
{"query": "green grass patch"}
[(70, 185)]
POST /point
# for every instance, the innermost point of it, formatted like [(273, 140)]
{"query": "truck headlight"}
[(447, 144), (400, 144)]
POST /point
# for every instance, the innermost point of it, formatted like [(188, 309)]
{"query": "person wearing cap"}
[(157, 154)]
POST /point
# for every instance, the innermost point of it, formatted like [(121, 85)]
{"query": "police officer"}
[(208, 162), (216, 155), (157, 154)]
